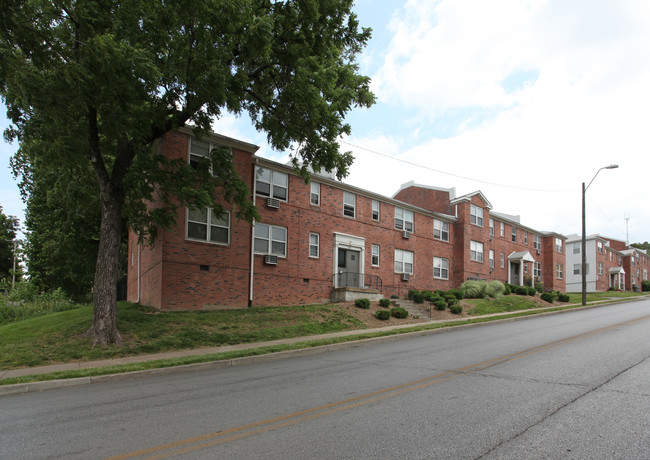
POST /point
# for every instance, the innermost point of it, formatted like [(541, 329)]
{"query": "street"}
[(570, 385)]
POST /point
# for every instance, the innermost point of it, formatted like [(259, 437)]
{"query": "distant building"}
[(328, 240), (610, 264)]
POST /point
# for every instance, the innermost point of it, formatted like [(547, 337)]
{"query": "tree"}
[(645, 246), (8, 227), (101, 81)]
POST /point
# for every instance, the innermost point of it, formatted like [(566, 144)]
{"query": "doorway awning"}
[(521, 256), (615, 270)]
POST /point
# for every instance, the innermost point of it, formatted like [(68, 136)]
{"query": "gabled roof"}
[(469, 196), (526, 256)]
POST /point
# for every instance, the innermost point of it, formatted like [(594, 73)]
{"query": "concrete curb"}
[(20, 388)]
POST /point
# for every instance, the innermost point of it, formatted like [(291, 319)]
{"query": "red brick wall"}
[(426, 198)]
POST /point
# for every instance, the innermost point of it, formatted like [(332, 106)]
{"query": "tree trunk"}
[(107, 272)]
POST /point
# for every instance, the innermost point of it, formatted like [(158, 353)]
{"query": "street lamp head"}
[(611, 167)]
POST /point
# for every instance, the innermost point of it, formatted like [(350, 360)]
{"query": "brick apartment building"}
[(610, 264), (327, 240)]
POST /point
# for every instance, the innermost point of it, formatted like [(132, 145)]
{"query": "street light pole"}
[(583, 269)]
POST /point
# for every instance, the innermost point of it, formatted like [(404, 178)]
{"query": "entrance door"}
[(514, 273), (349, 268)]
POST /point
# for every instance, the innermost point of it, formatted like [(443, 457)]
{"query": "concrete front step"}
[(413, 309)]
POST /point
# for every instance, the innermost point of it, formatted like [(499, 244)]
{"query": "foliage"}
[(385, 303), (530, 290), (416, 296), (495, 289), (507, 289), (539, 286), (440, 305), (562, 297), (458, 293), (645, 285), (549, 296), (25, 302), (362, 303), (8, 228), (456, 309), (399, 312), (382, 314), (473, 289), (97, 83), (521, 290)]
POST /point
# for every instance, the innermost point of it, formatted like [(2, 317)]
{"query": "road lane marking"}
[(188, 445)]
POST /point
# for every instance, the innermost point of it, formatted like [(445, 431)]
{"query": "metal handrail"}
[(358, 280)]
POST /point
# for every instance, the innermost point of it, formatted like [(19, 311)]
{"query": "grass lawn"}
[(56, 337)]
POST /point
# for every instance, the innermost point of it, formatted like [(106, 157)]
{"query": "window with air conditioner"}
[(270, 183), (403, 219), (403, 261), (270, 239)]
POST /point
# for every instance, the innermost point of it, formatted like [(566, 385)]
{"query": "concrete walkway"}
[(50, 384)]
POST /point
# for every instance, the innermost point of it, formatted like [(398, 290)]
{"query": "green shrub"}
[(382, 314), (456, 293), (440, 305), (473, 289), (418, 298), (450, 299), (507, 290), (428, 295), (412, 292), (548, 297), (562, 297), (645, 285), (436, 298), (362, 303), (521, 290), (384, 303), (456, 309), (539, 286), (394, 296), (495, 289), (531, 290), (399, 312)]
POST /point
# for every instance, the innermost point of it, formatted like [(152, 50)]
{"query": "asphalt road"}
[(572, 385)]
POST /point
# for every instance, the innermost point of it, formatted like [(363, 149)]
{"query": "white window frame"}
[(491, 222), (514, 233), (503, 260), (440, 230), (211, 222), (314, 245), (525, 237), (537, 271), (599, 245), (404, 217), (576, 248), (491, 258), (559, 271), (440, 268), (273, 232), (576, 269), (374, 255), (403, 261), (476, 215), (314, 194), (274, 181), (349, 205), (537, 242), (502, 229), (198, 156), (558, 245), (600, 268), (476, 251), (376, 207)]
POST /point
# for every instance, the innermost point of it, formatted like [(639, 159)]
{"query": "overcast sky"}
[(523, 100)]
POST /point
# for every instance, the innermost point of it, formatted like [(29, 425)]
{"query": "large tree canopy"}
[(99, 82)]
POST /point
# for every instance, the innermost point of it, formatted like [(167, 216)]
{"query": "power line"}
[(454, 175)]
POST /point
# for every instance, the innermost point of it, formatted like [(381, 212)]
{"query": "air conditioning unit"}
[(272, 203), (406, 234), (406, 276), (270, 260)]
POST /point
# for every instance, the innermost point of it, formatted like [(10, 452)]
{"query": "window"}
[(514, 234), (491, 227), (600, 268), (198, 151), (610, 255), (491, 258), (314, 245), (558, 245), (403, 261), (314, 196), (502, 229), (270, 239), (559, 271), (537, 242), (645, 274), (503, 260), (476, 251), (476, 215), (271, 183), (375, 210), (349, 204), (576, 269), (576, 248), (441, 268), (600, 247), (440, 230), (205, 225), (403, 219), (525, 237), (375, 255), (537, 271), (525, 267)]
